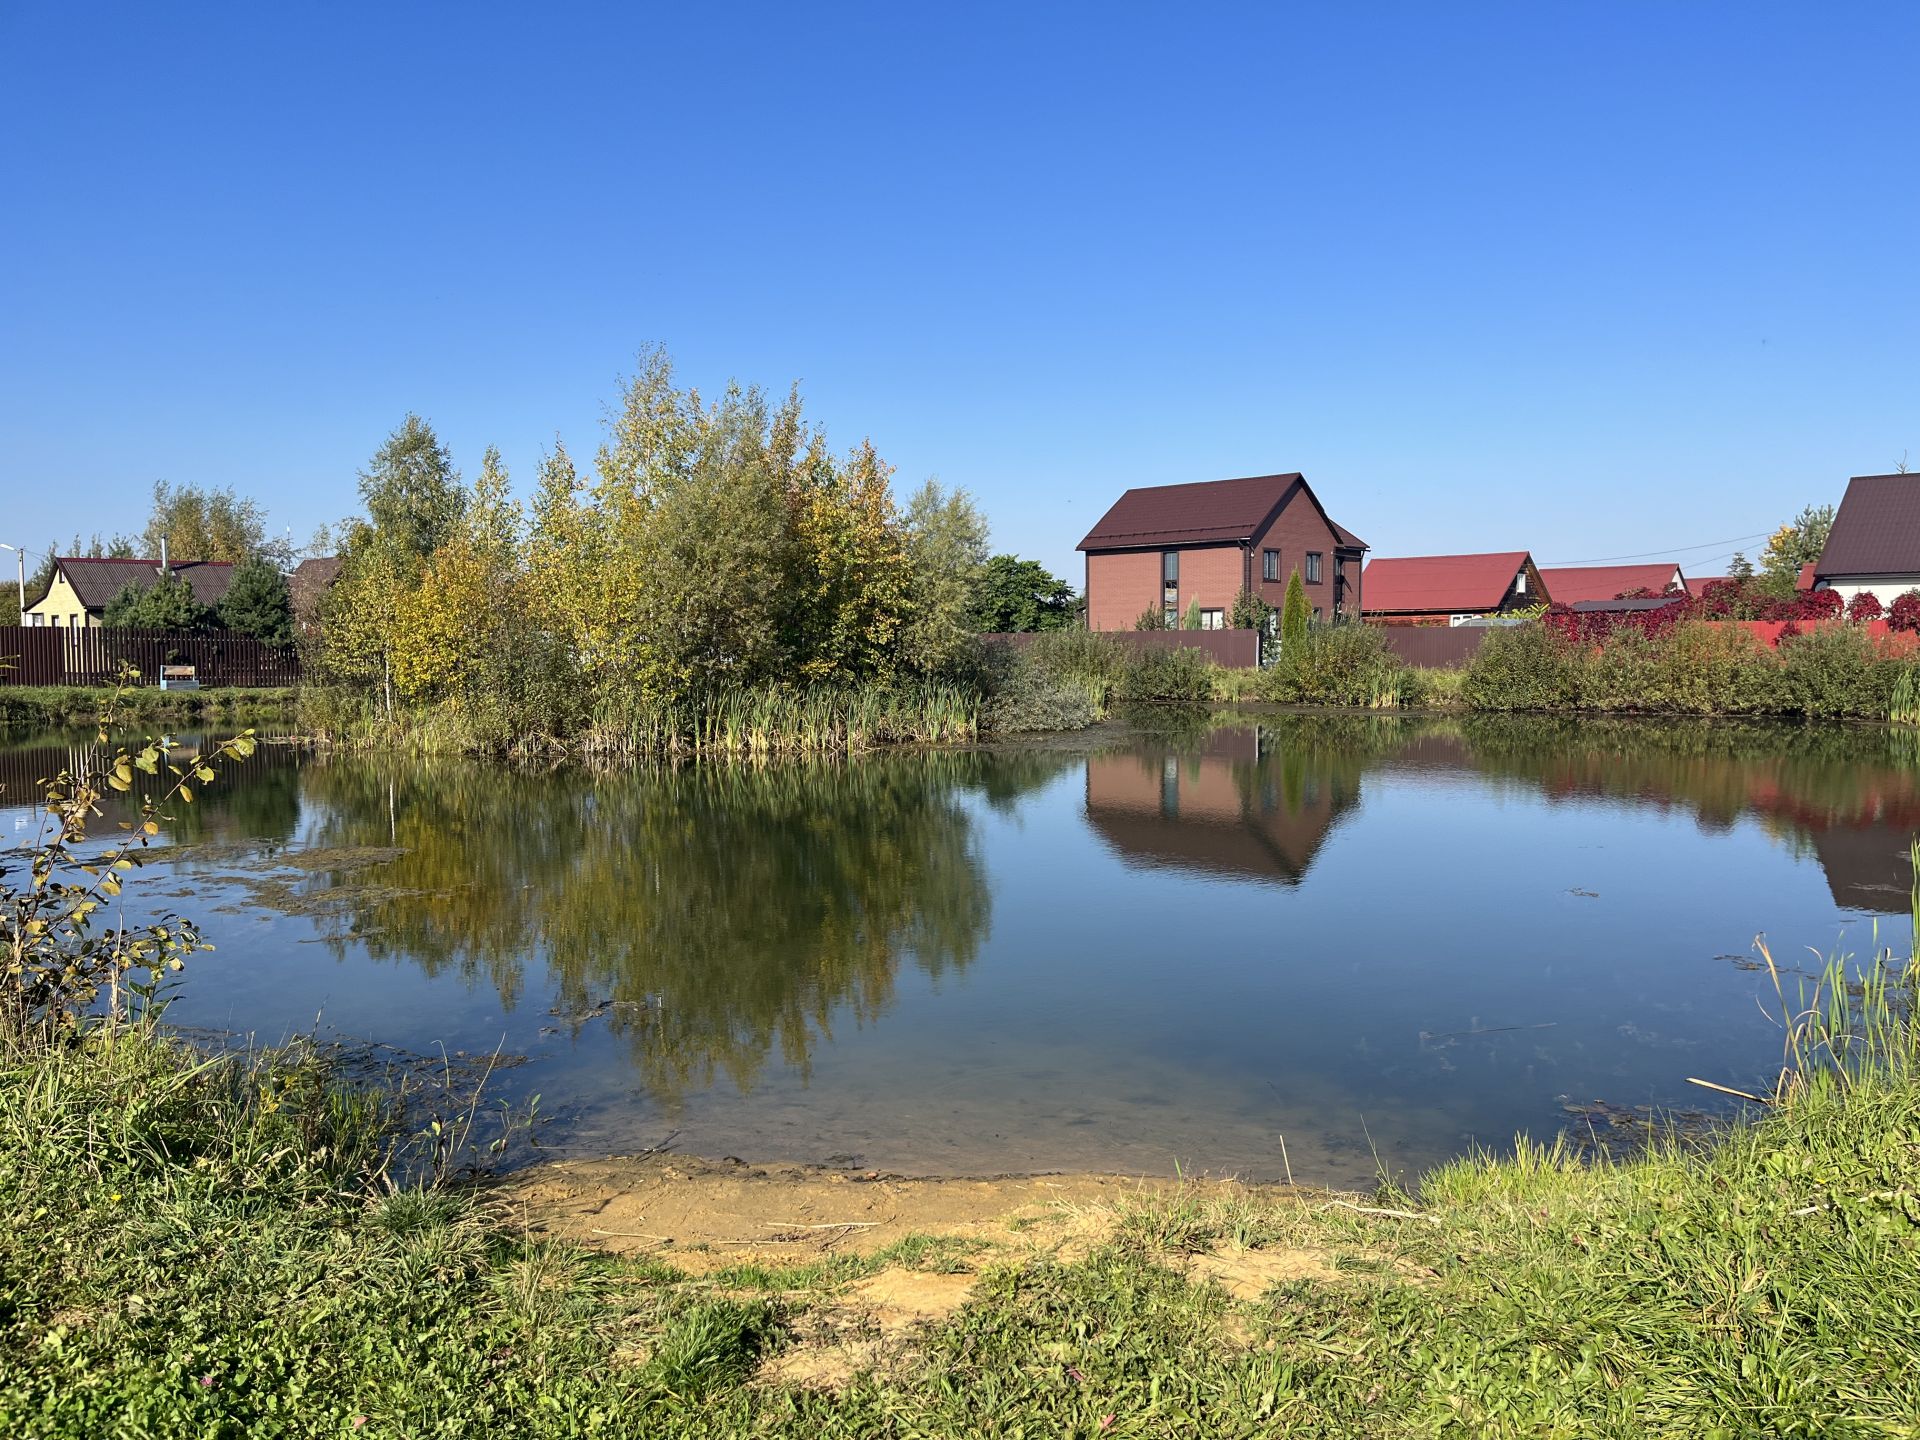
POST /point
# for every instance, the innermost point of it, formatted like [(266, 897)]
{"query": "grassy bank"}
[(209, 1247), (50, 706)]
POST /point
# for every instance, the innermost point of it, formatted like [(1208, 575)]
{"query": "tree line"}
[(710, 544)]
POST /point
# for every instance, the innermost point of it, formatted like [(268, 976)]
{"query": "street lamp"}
[(20, 561)]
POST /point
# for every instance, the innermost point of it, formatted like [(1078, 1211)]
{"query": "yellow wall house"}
[(82, 588)]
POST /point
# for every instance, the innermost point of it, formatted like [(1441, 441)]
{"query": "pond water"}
[(1180, 942)]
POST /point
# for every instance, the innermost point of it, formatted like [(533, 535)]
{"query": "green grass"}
[(50, 706), (205, 1247)]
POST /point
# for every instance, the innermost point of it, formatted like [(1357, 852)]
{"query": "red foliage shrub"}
[(1864, 607), (1817, 605), (1904, 615)]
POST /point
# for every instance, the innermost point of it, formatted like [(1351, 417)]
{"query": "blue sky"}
[(1592, 280)]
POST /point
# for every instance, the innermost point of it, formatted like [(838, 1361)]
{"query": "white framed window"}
[(1213, 619)]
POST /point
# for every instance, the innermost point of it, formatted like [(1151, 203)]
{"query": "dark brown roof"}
[(1877, 531), (1346, 536), (1207, 512), (310, 580), (1435, 584), (99, 582)]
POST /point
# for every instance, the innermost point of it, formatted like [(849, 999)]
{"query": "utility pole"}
[(20, 562)]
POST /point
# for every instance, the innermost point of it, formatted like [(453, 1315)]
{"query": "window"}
[(1520, 583), (1313, 567), (1170, 587), (1213, 619), (1269, 564), (1170, 567)]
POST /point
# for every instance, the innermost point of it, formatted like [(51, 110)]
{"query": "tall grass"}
[(737, 722), (1905, 706), (768, 722)]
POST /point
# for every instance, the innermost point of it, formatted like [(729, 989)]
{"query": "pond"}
[(1184, 941)]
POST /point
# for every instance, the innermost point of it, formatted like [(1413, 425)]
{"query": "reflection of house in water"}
[(1867, 866), (1236, 806)]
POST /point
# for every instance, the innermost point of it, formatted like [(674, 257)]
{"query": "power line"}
[(1655, 554)]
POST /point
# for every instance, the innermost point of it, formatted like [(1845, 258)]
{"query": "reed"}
[(1905, 709)]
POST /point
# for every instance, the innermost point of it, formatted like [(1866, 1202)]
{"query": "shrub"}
[(1170, 674), (1523, 667), (1692, 669), (1337, 665), (1029, 700), (1835, 671), (1152, 618), (1818, 605), (1904, 614), (1864, 607), (1249, 612), (1089, 660)]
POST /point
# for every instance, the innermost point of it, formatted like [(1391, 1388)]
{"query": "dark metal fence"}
[(1235, 649), (95, 657), (1434, 645)]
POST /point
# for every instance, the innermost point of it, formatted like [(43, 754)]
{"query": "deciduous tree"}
[(1015, 596)]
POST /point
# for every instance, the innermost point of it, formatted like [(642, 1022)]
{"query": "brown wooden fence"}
[(1235, 649), (1434, 645), (95, 657)]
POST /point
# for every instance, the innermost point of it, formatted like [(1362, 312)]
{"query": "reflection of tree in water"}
[(725, 909), (1805, 778)]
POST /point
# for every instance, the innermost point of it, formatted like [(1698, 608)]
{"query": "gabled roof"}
[(1697, 584), (311, 579), (1440, 583), (1347, 537), (1571, 584), (1207, 512), (1877, 530), (99, 582)]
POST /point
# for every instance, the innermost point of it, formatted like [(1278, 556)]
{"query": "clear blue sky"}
[(1586, 279)]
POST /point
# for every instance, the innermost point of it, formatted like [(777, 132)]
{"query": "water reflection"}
[(1243, 802), (714, 915), (1165, 942)]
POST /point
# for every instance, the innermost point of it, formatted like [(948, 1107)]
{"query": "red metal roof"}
[(1439, 583), (1207, 512), (1697, 584), (1877, 529), (1572, 584)]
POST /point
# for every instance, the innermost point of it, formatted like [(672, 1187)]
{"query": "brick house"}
[(1434, 589), (1168, 547)]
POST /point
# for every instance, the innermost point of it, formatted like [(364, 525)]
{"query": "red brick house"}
[(1432, 589), (1168, 547)]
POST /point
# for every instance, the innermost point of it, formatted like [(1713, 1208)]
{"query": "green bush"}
[(1028, 699), (1090, 660), (1836, 670), (1337, 665), (1170, 674), (1524, 667)]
